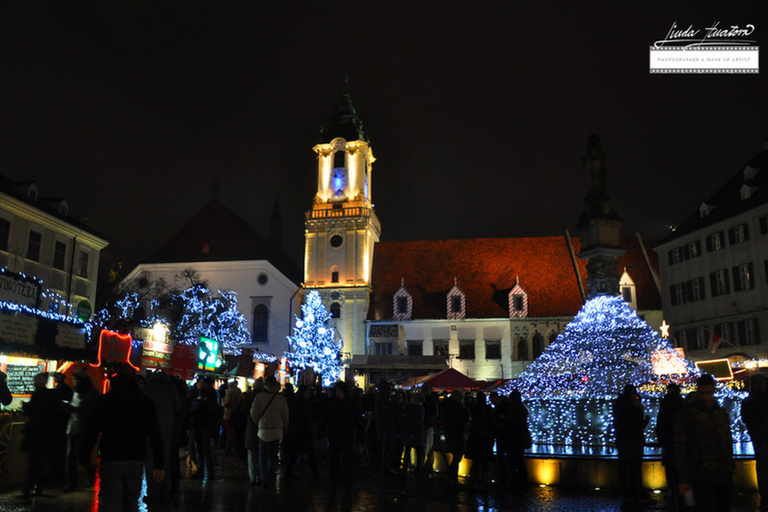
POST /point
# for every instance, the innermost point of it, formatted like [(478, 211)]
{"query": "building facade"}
[(228, 254), (714, 269), (39, 239)]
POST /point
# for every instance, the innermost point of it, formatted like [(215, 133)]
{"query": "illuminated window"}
[(260, 324), (33, 246), (441, 348), (738, 234), (743, 278)]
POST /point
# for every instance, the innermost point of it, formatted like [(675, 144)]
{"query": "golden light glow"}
[(664, 329), (545, 471), (159, 332), (22, 361)]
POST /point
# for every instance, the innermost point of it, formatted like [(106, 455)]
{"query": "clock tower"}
[(342, 228)]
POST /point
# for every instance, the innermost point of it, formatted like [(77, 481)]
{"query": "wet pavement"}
[(370, 492)]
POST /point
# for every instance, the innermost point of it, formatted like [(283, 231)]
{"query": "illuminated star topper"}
[(664, 329)]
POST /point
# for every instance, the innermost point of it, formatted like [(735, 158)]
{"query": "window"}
[(719, 283), (402, 305), (59, 255), (692, 250), (725, 331), (33, 246), (82, 264), (336, 241), (743, 278), (522, 350), (338, 159), (441, 348), (674, 256), (260, 324), (262, 279), (415, 347), (335, 310), (335, 276), (749, 332), (695, 289), (384, 348), (455, 304), (493, 349), (466, 349), (538, 345), (738, 234), (518, 302), (626, 293), (715, 241), (677, 294), (5, 233)]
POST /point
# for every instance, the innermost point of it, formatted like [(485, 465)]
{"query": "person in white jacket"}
[(270, 412)]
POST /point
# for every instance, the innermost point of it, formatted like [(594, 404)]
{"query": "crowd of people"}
[(149, 425)]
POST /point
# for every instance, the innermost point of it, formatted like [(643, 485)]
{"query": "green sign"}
[(84, 310), (209, 355)]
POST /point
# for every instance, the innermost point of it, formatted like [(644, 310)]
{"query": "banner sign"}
[(17, 290), (184, 361)]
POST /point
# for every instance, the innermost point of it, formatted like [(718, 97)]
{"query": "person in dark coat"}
[(80, 410), (42, 411), (127, 423), (704, 449), (413, 422), (431, 424), (5, 394), (454, 419), (518, 440), (251, 441), (341, 431), (301, 431), (162, 392), (205, 422), (480, 440), (754, 414), (669, 407), (629, 421)]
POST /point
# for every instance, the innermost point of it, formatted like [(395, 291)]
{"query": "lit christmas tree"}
[(314, 345), (604, 348)]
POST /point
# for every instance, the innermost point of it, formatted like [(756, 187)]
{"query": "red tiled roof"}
[(485, 270)]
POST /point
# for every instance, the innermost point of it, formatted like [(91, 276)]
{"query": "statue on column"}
[(600, 226)]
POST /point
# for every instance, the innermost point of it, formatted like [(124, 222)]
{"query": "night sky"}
[(478, 112)]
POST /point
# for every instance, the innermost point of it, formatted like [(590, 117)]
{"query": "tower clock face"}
[(338, 181), (336, 241)]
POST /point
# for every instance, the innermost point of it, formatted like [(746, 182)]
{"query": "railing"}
[(356, 211)]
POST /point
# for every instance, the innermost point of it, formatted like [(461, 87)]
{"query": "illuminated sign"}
[(156, 353), (669, 362), (114, 347), (209, 355), (718, 368)]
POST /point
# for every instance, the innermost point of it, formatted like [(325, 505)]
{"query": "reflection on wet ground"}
[(371, 492)]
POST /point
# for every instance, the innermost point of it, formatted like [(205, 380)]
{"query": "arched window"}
[(338, 159), (335, 310), (538, 345), (522, 350), (260, 324)]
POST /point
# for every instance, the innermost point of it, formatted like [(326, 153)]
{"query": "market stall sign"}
[(17, 328), (184, 361), (156, 353), (70, 336), (21, 377), (209, 357), (19, 291), (114, 347)]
